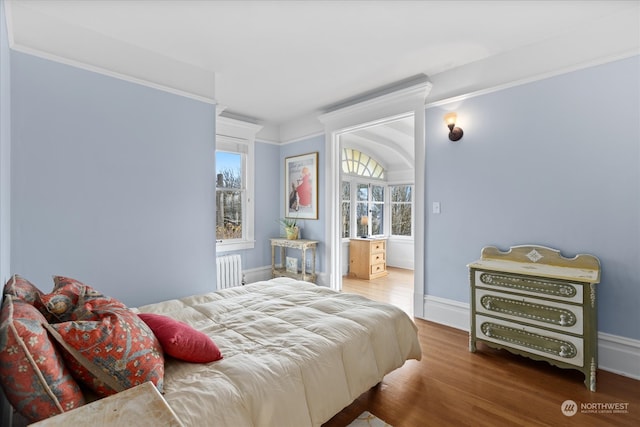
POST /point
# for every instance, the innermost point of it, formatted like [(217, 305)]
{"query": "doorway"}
[(377, 182), (403, 102)]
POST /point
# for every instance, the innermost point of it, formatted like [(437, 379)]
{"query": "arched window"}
[(355, 162)]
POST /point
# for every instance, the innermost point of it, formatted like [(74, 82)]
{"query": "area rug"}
[(367, 419)]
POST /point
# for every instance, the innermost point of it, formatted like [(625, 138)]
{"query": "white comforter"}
[(295, 354)]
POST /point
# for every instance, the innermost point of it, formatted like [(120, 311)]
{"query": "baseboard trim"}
[(619, 355), (616, 354), (446, 312), (257, 274)]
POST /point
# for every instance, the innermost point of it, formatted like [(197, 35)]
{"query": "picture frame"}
[(292, 265), (301, 186)]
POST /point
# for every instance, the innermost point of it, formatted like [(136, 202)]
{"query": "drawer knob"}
[(563, 319), (564, 351)]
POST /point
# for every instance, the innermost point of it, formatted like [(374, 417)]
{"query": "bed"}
[(294, 354)]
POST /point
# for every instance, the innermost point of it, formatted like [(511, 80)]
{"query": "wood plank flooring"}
[(452, 387)]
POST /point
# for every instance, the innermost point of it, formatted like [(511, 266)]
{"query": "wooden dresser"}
[(368, 258), (534, 302)]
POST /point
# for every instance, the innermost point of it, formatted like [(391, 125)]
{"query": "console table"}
[(301, 271), (534, 302), (141, 406)]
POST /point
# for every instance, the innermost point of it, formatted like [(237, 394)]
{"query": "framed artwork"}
[(292, 265), (301, 186)]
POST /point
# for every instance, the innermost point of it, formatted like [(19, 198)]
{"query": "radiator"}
[(229, 271)]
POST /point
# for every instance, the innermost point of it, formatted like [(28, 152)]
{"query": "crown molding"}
[(383, 106), (235, 128), (76, 48)]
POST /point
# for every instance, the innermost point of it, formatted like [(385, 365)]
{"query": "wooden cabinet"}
[(368, 258), (296, 269), (534, 302)]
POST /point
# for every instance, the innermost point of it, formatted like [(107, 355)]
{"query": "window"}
[(234, 193), (230, 195), (362, 174), (370, 209), (355, 162), (346, 209), (401, 210), (376, 207)]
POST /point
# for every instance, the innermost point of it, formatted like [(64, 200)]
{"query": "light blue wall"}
[(112, 183), (5, 150), (267, 203), (5, 184), (554, 163), (310, 229)]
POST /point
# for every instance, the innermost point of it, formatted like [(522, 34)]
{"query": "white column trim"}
[(356, 115)]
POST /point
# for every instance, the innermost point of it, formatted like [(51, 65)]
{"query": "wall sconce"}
[(454, 132)]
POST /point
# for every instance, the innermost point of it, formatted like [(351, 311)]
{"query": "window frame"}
[(354, 181), (411, 204), (236, 136)]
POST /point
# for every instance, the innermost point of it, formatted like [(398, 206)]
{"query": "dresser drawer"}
[(530, 285), (551, 314), (564, 348), (378, 268), (377, 258), (378, 246)]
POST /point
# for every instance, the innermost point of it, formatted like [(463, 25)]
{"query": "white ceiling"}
[(282, 62)]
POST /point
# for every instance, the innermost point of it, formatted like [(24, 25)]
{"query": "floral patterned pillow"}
[(113, 353), (21, 288), (32, 372), (73, 300)]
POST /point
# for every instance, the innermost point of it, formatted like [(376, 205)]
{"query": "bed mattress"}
[(295, 354)]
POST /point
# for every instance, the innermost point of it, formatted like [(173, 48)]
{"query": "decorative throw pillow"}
[(33, 375), (116, 352), (21, 288), (180, 340), (73, 300)]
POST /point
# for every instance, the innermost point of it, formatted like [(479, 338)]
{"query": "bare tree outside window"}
[(346, 209), (401, 212), (229, 196)]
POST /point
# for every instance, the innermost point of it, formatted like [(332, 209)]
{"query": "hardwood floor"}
[(396, 288), (452, 387)]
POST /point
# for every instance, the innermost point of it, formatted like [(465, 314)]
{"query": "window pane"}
[(377, 193), (377, 218), (346, 219), (362, 212), (229, 215), (346, 191), (401, 193), (401, 219), (363, 192), (228, 170)]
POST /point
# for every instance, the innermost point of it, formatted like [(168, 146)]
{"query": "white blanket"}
[(295, 354)]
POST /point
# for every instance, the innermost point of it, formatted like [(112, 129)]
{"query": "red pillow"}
[(180, 340)]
